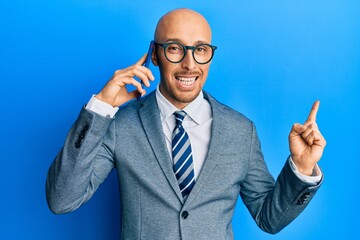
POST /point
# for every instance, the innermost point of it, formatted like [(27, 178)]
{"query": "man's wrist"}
[(314, 177), (100, 107)]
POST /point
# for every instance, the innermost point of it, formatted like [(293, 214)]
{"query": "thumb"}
[(135, 94)]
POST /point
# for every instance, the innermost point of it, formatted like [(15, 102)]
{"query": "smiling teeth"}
[(186, 81)]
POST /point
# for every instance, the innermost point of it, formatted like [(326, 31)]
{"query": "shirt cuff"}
[(313, 180), (102, 108)]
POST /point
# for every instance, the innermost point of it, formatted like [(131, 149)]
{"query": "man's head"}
[(181, 82)]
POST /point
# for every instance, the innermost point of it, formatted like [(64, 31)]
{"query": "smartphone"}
[(147, 61), (148, 57)]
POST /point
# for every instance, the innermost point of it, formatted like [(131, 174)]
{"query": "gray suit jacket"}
[(151, 203)]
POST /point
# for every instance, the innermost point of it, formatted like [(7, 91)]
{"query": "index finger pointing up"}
[(313, 112)]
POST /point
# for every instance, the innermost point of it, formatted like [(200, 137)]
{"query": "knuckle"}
[(312, 126), (137, 67), (138, 72), (148, 71), (137, 84)]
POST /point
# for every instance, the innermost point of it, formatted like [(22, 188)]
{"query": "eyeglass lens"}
[(175, 52)]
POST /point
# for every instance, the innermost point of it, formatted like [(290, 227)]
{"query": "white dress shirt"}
[(197, 124)]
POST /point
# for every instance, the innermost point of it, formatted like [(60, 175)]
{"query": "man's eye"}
[(202, 49), (174, 48)]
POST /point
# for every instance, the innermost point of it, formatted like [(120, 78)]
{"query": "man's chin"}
[(186, 98)]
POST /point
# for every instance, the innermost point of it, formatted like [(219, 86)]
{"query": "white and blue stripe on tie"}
[(182, 156)]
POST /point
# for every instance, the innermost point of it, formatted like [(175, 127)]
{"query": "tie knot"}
[(179, 117)]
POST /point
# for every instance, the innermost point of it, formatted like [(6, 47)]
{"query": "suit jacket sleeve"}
[(273, 205), (82, 164)]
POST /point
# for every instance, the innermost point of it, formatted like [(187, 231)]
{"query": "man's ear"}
[(154, 57)]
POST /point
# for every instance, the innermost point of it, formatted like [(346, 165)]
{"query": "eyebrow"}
[(180, 41)]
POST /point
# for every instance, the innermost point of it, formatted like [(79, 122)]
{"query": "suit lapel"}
[(150, 118), (217, 130)]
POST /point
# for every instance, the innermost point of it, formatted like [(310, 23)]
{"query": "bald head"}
[(183, 24)]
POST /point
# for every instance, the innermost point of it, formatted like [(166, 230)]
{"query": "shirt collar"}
[(194, 109)]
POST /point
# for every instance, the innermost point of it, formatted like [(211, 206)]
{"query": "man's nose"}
[(188, 62)]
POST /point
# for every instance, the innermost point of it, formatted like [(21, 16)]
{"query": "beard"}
[(177, 97), (186, 97)]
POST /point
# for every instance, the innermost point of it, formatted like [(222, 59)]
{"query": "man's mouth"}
[(186, 81)]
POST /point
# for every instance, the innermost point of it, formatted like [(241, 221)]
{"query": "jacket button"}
[(184, 214), (303, 197)]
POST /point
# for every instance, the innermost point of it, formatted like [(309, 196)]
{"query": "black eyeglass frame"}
[(192, 48)]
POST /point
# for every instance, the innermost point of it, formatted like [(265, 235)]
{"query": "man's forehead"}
[(183, 24)]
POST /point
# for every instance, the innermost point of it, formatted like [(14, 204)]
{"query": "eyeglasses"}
[(175, 52)]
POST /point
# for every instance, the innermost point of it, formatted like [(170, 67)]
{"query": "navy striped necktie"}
[(182, 156)]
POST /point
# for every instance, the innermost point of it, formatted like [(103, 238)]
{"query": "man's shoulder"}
[(227, 112)]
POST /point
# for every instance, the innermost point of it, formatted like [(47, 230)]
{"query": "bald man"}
[(182, 158)]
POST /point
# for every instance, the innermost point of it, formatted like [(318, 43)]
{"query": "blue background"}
[(274, 59)]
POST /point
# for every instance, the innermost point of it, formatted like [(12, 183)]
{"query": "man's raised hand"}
[(306, 143), (115, 92)]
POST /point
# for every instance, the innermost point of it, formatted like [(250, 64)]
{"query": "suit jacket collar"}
[(150, 118)]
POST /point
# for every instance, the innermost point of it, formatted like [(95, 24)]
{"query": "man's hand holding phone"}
[(115, 92)]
